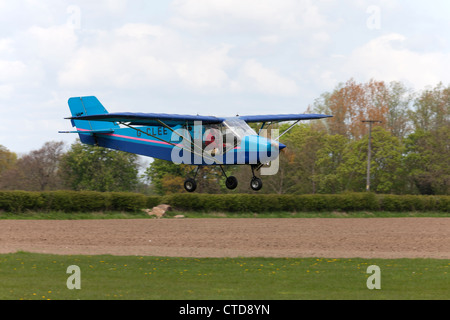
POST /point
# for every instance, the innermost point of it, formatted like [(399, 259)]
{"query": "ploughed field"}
[(389, 238)]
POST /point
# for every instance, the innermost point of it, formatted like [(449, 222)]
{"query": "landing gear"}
[(190, 185), (231, 181), (256, 183)]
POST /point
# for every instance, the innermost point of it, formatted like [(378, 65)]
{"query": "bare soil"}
[(330, 238)]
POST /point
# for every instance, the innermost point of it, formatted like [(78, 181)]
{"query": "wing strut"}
[(286, 131)]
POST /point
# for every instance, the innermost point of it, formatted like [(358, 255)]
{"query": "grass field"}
[(44, 277)]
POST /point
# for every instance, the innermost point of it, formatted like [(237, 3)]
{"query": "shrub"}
[(305, 203), (153, 201), (76, 201), (84, 201), (129, 202), (20, 201)]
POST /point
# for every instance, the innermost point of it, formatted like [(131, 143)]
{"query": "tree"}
[(166, 177), (427, 160), (37, 170), (432, 109), (298, 170), (387, 174), (329, 158), (306, 144), (7, 159), (428, 147), (352, 102), (91, 168), (399, 103)]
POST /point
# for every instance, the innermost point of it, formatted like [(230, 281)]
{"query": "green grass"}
[(41, 277)]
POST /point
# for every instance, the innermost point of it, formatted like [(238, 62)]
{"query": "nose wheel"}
[(256, 184), (190, 185)]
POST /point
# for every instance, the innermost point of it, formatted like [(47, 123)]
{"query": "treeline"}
[(410, 146), (89, 201), (81, 168), (410, 152)]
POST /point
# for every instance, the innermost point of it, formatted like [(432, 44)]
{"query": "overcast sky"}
[(209, 57)]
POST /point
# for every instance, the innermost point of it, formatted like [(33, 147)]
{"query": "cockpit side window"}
[(238, 128)]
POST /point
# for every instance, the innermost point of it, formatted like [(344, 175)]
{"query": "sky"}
[(208, 57)]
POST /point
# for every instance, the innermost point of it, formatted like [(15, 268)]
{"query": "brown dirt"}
[(330, 238)]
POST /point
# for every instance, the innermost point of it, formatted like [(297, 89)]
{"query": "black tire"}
[(190, 185), (256, 184), (231, 183)]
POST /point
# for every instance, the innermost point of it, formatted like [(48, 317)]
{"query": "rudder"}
[(87, 106)]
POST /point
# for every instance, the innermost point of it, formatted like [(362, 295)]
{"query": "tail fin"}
[(87, 130), (87, 106)]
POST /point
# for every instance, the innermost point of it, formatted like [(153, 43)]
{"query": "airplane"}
[(190, 139)]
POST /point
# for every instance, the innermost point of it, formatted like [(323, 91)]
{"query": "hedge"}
[(74, 201), (83, 201), (306, 203)]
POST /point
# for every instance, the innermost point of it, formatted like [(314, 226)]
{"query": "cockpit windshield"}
[(238, 128)]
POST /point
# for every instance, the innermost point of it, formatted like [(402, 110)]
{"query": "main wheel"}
[(256, 184), (231, 183), (190, 185)]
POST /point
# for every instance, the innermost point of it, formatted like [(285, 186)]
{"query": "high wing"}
[(276, 118), (155, 119), (151, 119), (283, 117)]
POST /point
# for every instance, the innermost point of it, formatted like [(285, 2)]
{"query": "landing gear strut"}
[(190, 184), (256, 183), (231, 181)]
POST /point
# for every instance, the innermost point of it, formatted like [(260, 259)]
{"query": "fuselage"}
[(228, 144)]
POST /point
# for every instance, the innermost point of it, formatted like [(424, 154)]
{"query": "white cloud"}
[(250, 15), (12, 71), (141, 55), (16, 75), (116, 6), (205, 69), (6, 46), (387, 58), (54, 44), (254, 76)]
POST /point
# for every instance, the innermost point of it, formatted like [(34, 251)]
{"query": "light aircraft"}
[(189, 139)]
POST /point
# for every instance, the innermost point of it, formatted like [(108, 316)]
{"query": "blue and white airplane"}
[(193, 140)]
